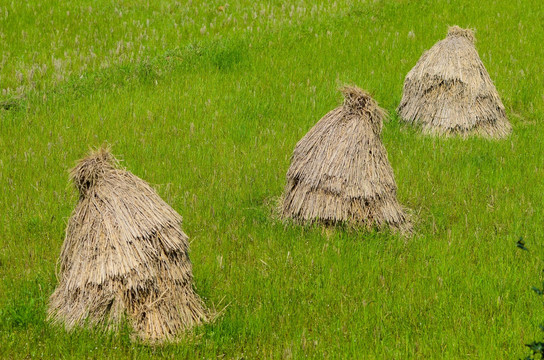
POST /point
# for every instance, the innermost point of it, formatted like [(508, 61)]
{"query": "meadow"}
[(206, 101)]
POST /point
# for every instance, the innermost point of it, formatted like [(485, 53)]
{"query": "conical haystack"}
[(339, 170), (124, 256), (450, 92)]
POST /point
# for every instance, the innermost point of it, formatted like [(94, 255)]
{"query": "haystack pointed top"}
[(357, 98), (359, 101), (455, 30), (92, 168)]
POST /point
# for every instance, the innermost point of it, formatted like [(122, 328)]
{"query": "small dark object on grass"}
[(10, 104), (537, 347), (521, 244)]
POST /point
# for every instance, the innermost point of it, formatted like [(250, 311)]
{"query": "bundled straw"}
[(450, 92), (124, 254), (339, 170)]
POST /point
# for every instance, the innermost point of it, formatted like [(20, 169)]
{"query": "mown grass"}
[(210, 117)]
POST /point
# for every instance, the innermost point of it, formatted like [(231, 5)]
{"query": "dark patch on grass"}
[(146, 72), (224, 55), (34, 225), (25, 306), (12, 104)]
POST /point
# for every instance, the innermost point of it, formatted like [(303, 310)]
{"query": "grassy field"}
[(206, 101)]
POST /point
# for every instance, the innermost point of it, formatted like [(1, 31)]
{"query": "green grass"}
[(210, 117)]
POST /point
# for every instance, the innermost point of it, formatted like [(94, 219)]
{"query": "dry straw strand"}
[(125, 255), (449, 91), (339, 170)]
